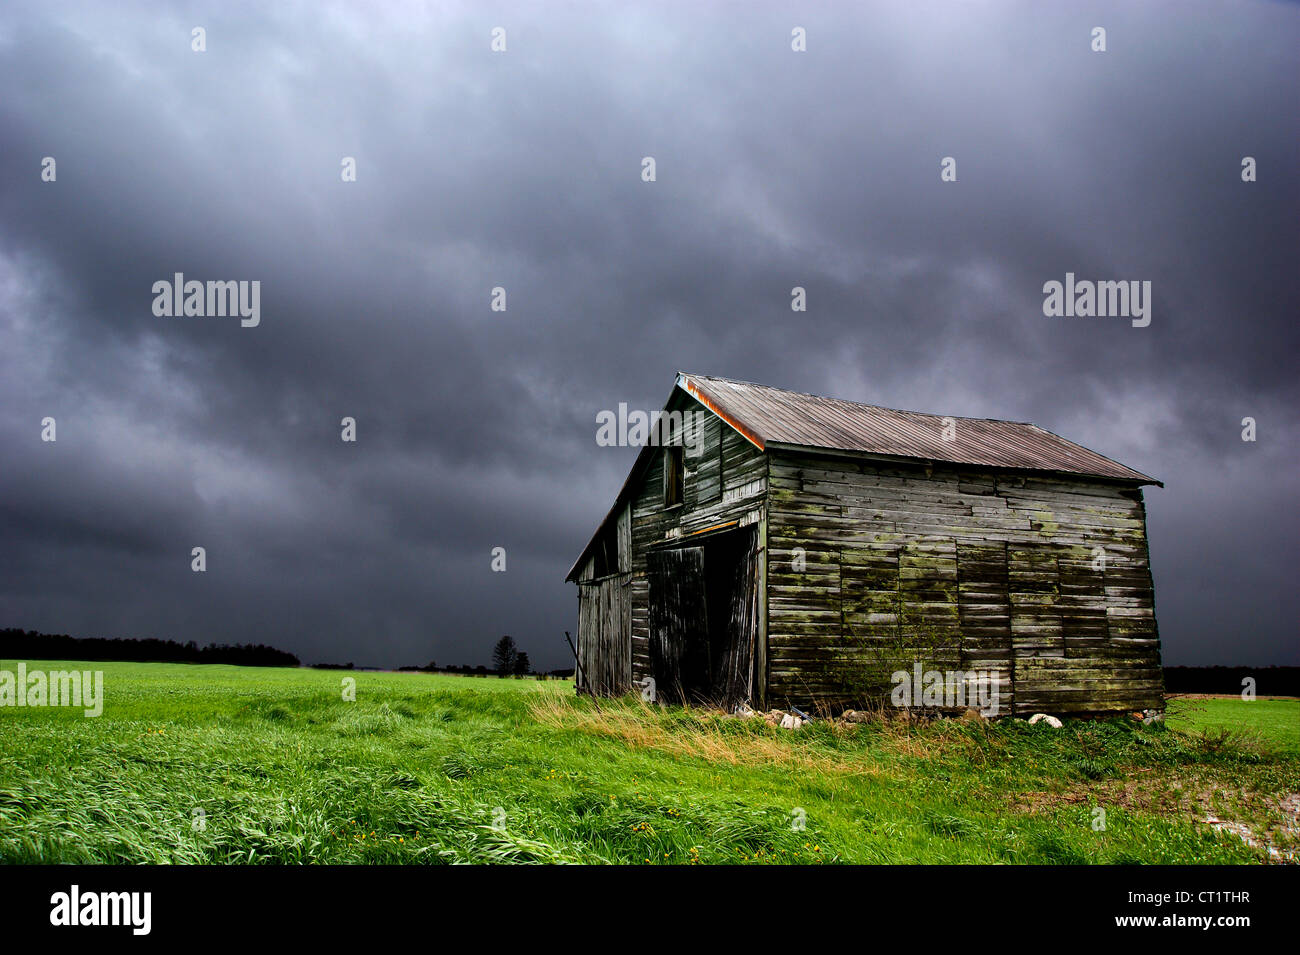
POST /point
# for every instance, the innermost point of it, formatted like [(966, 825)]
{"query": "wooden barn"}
[(776, 548)]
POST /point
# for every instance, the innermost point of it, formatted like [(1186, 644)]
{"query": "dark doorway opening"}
[(704, 619)]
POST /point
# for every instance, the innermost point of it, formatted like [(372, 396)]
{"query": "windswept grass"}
[(220, 764), (700, 734)]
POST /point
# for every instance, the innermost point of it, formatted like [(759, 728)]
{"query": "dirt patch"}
[(1265, 821)]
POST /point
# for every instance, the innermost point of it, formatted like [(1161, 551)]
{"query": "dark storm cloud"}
[(476, 428)]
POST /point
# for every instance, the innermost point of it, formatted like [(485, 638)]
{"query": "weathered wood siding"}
[(604, 617), (871, 567), (604, 665), (718, 490)]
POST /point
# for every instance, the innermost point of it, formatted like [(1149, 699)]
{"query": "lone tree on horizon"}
[(504, 656), (522, 664)]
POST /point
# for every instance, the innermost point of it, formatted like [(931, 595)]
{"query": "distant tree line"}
[(507, 660), (1269, 681), (480, 670), (30, 645)]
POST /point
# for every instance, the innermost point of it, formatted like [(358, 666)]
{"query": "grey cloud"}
[(476, 428)]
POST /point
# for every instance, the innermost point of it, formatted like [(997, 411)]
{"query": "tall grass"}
[(200, 764)]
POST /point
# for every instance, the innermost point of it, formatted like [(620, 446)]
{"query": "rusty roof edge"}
[(685, 382)]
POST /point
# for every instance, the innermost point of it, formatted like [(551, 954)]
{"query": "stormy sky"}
[(522, 169)]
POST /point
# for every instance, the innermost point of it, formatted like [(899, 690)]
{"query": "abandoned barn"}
[(776, 548)]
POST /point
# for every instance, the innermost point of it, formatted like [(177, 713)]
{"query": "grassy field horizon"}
[(193, 763)]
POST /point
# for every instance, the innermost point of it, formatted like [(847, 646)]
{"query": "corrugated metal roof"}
[(772, 416)]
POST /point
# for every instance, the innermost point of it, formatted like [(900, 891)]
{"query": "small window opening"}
[(674, 476)]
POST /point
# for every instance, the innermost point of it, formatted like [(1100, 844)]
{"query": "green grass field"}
[(1271, 723), (204, 764)]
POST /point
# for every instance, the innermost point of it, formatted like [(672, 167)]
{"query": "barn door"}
[(679, 622), (734, 678)]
